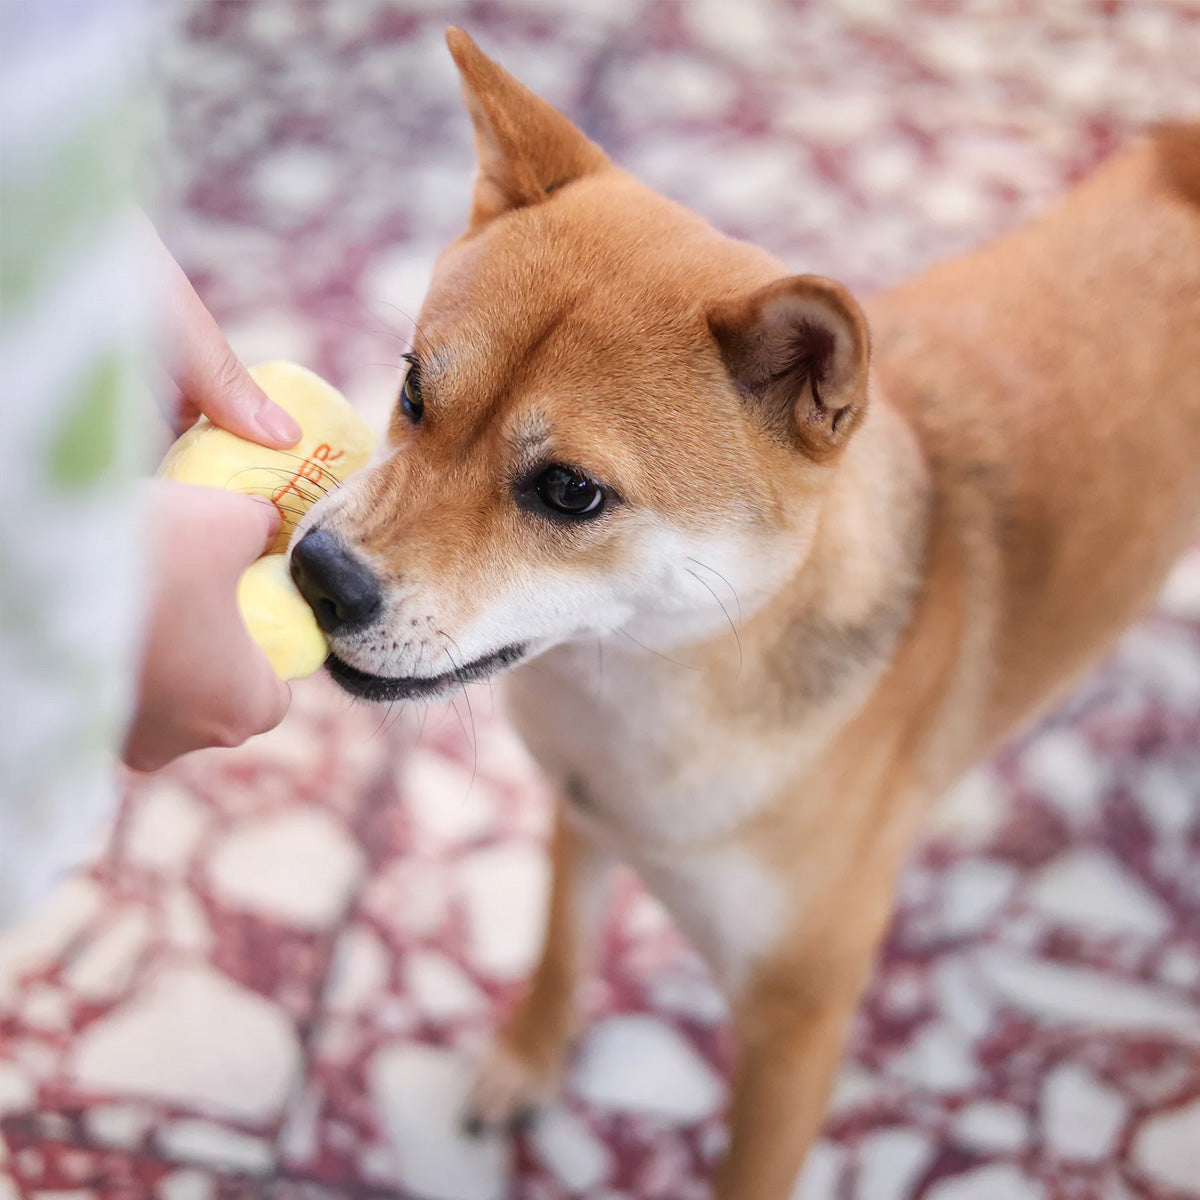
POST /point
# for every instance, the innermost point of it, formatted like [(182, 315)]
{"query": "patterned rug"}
[(274, 978)]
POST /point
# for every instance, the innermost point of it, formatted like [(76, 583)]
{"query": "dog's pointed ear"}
[(526, 149), (799, 350)]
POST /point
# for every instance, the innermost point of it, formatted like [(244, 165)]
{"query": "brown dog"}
[(820, 583)]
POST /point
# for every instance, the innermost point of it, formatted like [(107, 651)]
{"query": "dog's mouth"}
[(421, 687)]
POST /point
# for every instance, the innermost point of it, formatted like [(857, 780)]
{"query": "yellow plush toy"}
[(279, 618), (336, 442)]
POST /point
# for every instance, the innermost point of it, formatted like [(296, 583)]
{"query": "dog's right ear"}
[(526, 149), (798, 350)]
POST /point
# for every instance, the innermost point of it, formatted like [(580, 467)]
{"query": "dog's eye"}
[(410, 394), (569, 492)]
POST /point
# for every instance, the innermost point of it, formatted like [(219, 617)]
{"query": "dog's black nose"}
[(339, 588)]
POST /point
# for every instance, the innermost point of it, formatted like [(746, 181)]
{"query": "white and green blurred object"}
[(74, 320)]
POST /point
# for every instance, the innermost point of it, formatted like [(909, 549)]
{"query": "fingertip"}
[(245, 409), (225, 392), (280, 429), (273, 516), (283, 702)]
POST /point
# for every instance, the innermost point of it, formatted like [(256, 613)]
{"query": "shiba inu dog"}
[(788, 564)]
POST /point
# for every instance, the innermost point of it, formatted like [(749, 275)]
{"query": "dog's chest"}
[(634, 756), (643, 781)]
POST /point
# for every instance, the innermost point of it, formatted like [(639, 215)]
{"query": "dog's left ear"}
[(798, 350), (526, 149)]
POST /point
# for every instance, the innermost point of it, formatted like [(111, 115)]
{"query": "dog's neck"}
[(842, 613)]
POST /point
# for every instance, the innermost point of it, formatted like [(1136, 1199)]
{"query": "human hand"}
[(210, 379), (203, 681)]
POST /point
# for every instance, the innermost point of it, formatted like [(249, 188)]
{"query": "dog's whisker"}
[(397, 719), (382, 721), (292, 486), (732, 626), (659, 653), (291, 510), (460, 676), (416, 328), (300, 458), (461, 723), (737, 600), (394, 334)]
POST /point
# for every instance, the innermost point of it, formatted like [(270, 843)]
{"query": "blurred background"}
[(273, 978)]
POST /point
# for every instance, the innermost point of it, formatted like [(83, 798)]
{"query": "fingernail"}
[(279, 425)]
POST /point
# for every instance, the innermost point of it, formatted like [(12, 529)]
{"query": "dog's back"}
[(1055, 378)]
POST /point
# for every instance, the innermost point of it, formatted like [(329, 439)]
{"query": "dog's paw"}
[(507, 1092)]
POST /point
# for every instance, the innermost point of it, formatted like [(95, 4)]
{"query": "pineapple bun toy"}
[(336, 442)]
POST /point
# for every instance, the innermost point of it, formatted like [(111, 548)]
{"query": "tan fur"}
[(528, 1053), (1005, 496)]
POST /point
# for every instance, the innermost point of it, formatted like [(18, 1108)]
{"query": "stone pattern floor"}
[(272, 980)]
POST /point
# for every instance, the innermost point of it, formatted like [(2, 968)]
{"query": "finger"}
[(262, 702), (271, 519), (282, 701), (235, 528), (208, 373), (266, 698), (254, 524), (213, 381), (140, 754), (183, 414)]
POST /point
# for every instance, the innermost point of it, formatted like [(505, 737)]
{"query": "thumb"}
[(248, 527), (208, 373), (269, 521), (264, 696)]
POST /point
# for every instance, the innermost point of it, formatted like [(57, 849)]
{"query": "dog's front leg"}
[(525, 1060), (789, 1044), (790, 1019)]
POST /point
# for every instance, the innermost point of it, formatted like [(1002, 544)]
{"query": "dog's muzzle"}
[(341, 589)]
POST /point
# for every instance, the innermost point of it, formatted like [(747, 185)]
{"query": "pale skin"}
[(203, 682)]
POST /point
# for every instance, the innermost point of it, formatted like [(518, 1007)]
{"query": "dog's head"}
[(615, 420)]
